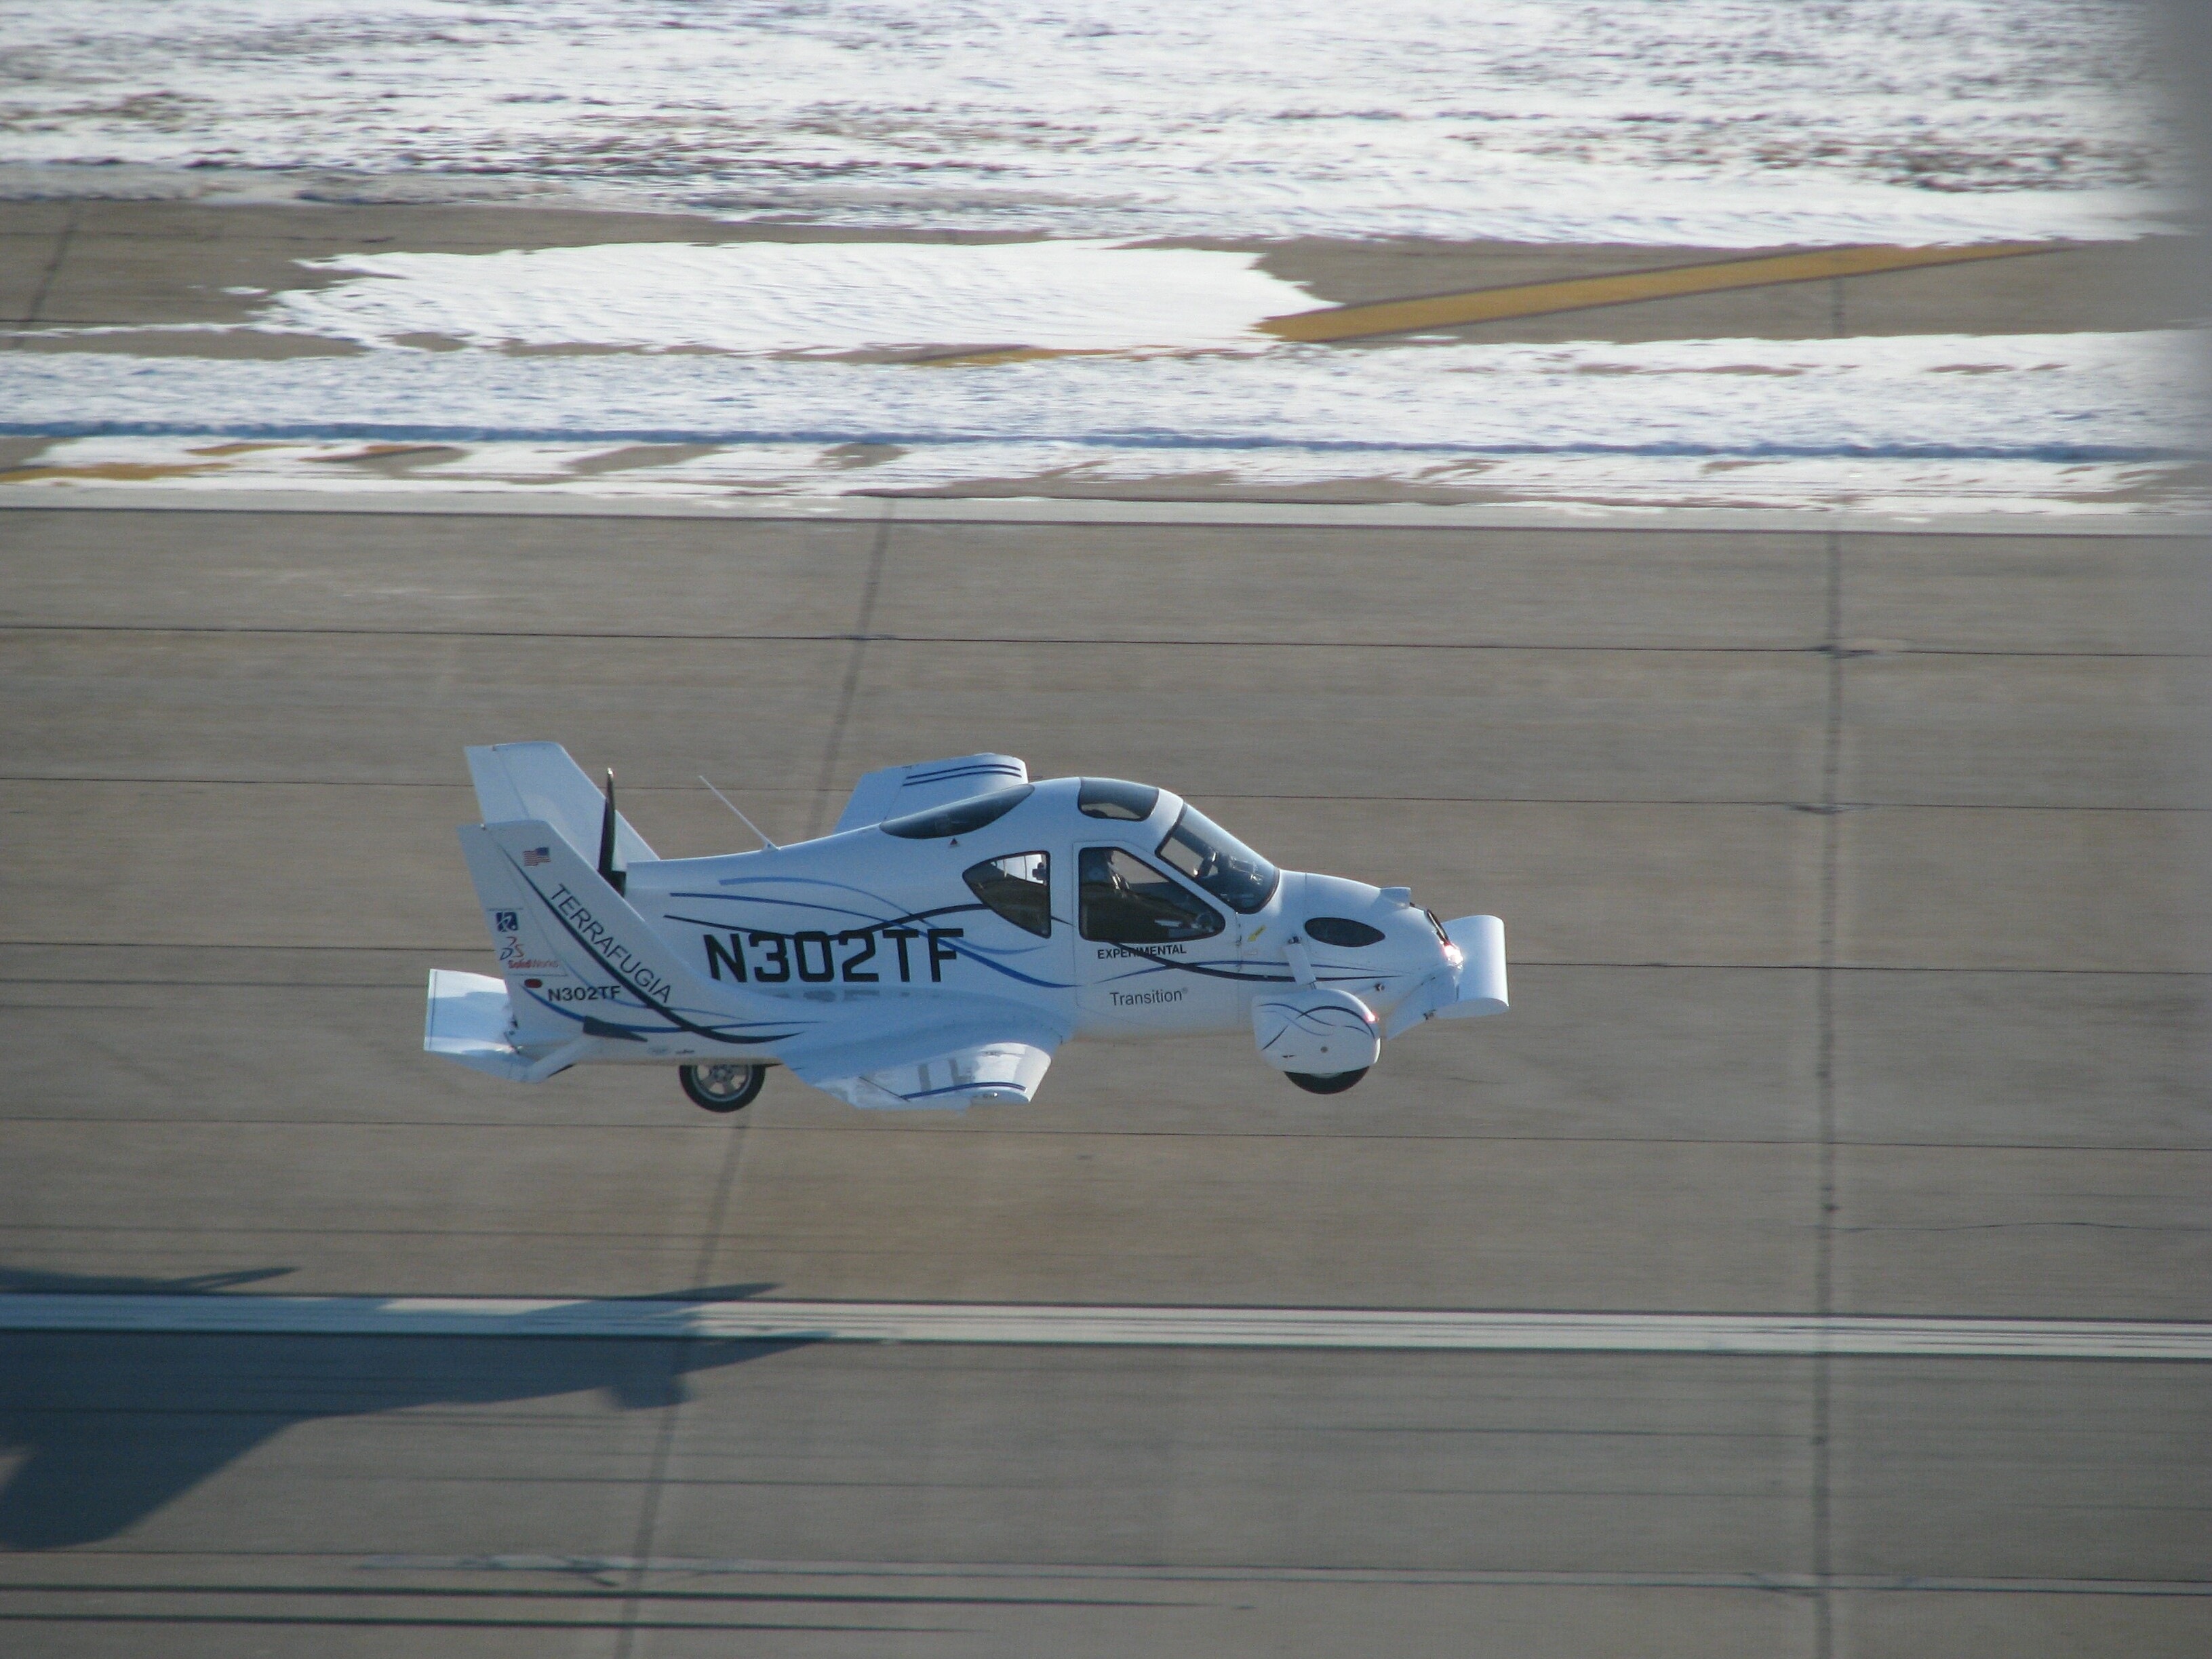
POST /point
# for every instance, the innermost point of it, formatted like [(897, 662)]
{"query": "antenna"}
[(609, 872), (742, 818)]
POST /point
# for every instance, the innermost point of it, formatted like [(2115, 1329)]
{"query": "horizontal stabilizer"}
[(897, 790), (468, 1019), (538, 781)]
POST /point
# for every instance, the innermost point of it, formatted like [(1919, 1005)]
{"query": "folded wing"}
[(897, 790), (978, 1052)]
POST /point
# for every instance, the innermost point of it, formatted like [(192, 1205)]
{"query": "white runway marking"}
[(1374, 1330)]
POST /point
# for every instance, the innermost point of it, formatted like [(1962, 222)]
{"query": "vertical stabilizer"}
[(521, 937), (606, 971), (516, 780)]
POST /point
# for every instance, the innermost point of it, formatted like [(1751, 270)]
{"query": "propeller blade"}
[(614, 876)]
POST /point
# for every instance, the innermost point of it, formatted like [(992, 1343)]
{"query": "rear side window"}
[(1110, 797), (1124, 901), (1017, 887), (935, 823)]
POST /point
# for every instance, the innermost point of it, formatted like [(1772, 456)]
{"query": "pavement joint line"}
[(62, 239), (1477, 1137), (1822, 1519), (1368, 320), (227, 630), (1267, 1573), (871, 588), (1048, 1572), (1750, 803), (1575, 517), (1774, 1335), (475, 945)]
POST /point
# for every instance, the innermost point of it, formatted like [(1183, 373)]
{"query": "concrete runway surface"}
[(1859, 964)]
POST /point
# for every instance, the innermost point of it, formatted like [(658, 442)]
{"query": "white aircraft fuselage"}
[(979, 932)]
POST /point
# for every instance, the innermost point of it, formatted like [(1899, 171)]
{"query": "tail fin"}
[(516, 780), (522, 934)]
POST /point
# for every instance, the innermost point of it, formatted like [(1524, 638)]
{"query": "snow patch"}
[(808, 297)]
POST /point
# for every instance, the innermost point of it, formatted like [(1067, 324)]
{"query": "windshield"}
[(1219, 862)]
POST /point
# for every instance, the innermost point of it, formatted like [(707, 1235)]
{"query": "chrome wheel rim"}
[(722, 1081)]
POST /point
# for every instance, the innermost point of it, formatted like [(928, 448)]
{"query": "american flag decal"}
[(537, 856)]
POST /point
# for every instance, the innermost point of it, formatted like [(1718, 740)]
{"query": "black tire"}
[(1335, 1084), (722, 1088)]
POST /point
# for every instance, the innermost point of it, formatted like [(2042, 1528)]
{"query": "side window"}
[(1017, 886), (1124, 901)]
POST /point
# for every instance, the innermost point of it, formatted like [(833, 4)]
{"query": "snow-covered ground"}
[(1707, 122), (1066, 295), (1079, 126), (1993, 422)]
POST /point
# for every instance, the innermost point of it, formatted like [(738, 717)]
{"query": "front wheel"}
[(722, 1088), (1335, 1084)]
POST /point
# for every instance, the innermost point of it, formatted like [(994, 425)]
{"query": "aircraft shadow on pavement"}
[(108, 1427)]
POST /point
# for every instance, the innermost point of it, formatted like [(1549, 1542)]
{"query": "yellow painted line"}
[(125, 471), (1488, 304), (378, 452), (1004, 355), (1582, 292)]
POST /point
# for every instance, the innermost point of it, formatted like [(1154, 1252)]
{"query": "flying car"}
[(935, 949)]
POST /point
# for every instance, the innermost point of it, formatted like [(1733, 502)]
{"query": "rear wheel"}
[(1335, 1084), (722, 1088)]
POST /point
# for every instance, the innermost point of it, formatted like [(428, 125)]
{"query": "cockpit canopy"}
[(1219, 862), (1200, 849), (1195, 847)]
